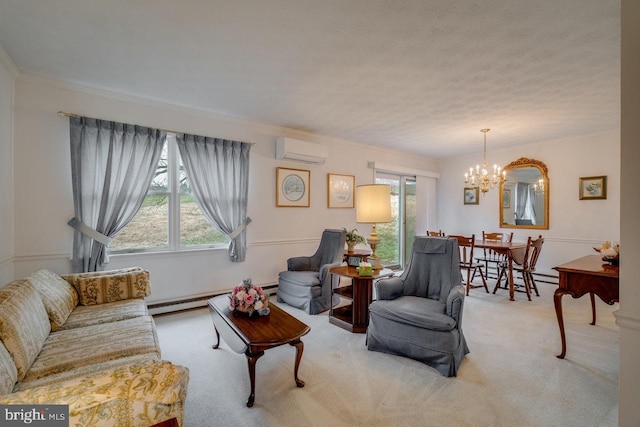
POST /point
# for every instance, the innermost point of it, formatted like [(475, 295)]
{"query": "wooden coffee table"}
[(253, 335)]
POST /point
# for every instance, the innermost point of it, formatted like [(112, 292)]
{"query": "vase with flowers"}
[(353, 239), (610, 252), (248, 299)]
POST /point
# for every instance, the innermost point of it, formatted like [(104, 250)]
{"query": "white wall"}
[(575, 226), (6, 168), (44, 204), (628, 317)]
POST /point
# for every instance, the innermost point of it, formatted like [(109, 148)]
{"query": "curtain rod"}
[(64, 114)]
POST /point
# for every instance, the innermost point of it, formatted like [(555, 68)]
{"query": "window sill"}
[(167, 252)]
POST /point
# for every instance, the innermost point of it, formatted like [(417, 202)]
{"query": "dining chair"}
[(490, 257), (438, 233), (535, 247), (524, 262), (466, 246)]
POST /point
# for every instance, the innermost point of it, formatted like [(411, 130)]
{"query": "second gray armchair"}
[(307, 283), (419, 314)]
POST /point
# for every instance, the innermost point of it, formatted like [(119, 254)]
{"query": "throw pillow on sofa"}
[(110, 286), (58, 296)]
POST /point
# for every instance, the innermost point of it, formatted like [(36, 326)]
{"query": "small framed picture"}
[(471, 196), (506, 198), (593, 187), (340, 190), (292, 188)]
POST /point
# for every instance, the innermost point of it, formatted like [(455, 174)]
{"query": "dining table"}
[(514, 252)]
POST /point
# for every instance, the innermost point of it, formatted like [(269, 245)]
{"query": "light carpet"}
[(510, 378)]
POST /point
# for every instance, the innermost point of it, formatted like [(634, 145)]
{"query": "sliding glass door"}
[(397, 236)]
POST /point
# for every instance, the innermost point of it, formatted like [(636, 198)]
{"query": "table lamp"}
[(373, 205)]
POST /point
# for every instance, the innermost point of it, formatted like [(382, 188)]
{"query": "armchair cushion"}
[(24, 325), (416, 311), (58, 296), (301, 278)]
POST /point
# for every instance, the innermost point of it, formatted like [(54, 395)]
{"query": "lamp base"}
[(375, 262), (374, 241)]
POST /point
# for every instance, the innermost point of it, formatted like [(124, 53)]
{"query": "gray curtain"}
[(112, 165), (522, 190), (218, 171), (531, 204)]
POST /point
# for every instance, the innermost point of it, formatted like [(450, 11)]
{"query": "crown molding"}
[(257, 127)]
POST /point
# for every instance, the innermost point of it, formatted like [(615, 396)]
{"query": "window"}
[(169, 218), (397, 236)]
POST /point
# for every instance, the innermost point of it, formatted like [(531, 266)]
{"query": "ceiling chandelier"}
[(480, 178)]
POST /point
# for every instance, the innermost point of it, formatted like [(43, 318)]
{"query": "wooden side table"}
[(354, 257), (354, 317), (584, 275)]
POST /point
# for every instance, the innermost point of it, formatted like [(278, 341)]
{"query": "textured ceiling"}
[(422, 76)]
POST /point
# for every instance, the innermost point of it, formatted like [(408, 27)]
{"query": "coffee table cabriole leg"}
[(252, 358), (217, 344), (299, 349)]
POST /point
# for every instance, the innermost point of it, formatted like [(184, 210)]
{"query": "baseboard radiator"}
[(196, 302), (201, 301)]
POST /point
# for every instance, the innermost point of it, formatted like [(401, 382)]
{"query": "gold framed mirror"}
[(524, 201)]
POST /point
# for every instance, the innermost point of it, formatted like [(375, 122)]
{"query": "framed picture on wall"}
[(593, 187), (292, 188), (471, 196), (340, 190), (506, 198)]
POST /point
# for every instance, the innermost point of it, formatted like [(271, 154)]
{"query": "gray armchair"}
[(419, 314), (307, 283)]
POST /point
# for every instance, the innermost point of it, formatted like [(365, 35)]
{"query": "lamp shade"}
[(373, 203)]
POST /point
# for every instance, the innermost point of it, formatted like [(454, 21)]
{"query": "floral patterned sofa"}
[(87, 341)]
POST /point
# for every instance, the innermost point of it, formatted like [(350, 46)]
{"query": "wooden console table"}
[(590, 275), (354, 317), (252, 336)]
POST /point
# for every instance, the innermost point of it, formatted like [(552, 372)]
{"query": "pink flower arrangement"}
[(249, 298)]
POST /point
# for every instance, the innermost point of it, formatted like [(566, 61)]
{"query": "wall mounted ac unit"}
[(301, 151)]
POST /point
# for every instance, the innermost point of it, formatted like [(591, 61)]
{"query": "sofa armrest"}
[(109, 286), (300, 263), (390, 288), (143, 386)]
